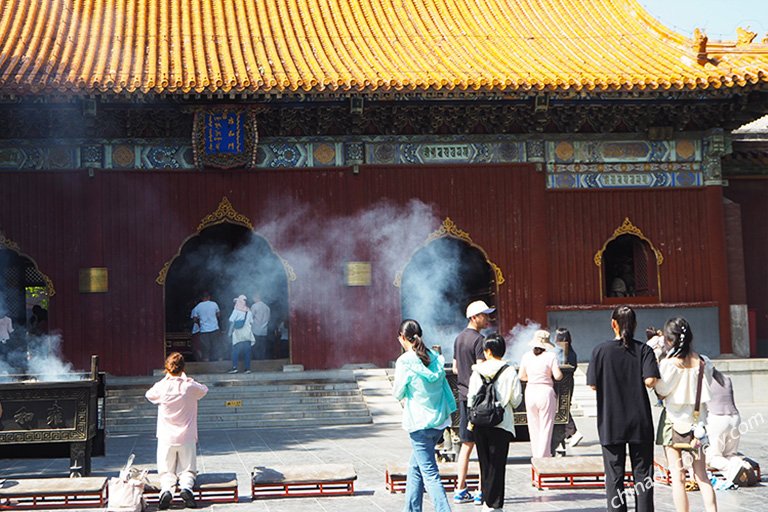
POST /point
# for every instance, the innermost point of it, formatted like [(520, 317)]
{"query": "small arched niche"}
[(629, 267)]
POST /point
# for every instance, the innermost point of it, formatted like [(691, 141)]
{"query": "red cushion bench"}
[(47, 493), (209, 487), (397, 473), (572, 472), (303, 480)]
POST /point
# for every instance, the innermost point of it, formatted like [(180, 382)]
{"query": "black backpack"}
[(486, 410)]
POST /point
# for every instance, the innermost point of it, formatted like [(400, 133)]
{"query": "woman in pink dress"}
[(539, 367)]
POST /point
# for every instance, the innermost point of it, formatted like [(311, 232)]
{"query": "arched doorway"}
[(24, 304), (227, 259), (441, 279)]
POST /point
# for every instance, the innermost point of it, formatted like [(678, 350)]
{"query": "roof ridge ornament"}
[(700, 40), (745, 37)]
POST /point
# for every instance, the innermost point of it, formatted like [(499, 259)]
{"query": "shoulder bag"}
[(690, 440)]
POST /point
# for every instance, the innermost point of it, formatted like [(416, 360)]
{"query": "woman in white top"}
[(677, 387), (538, 368), (241, 332), (493, 442)]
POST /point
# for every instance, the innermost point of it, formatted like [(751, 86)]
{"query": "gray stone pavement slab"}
[(369, 448)]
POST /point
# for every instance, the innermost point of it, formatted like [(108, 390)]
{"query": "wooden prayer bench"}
[(397, 474), (572, 472), (303, 480), (47, 493), (209, 487)]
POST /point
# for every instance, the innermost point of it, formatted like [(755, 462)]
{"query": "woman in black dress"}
[(619, 370)]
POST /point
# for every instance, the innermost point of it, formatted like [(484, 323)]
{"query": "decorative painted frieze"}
[(601, 161)]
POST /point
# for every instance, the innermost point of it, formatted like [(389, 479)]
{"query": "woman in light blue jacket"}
[(427, 406)]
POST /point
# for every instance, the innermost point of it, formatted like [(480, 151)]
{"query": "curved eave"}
[(355, 46)]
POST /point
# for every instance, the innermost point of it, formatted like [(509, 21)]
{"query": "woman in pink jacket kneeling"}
[(176, 397)]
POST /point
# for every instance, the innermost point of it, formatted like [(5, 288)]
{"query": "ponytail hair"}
[(624, 316), (678, 334), (411, 331)]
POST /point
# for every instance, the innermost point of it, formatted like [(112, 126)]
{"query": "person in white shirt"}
[(493, 442), (260, 313), (206, 315)]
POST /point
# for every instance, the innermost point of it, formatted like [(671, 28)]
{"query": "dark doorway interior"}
[(23, 301), (438, 284), (226, 260), (23, 293), (630, 268)]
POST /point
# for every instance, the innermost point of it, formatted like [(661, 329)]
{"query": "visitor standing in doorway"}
[(241, 333), (206, 315), (260, 312)]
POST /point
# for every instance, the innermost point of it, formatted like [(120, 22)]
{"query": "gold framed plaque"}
[(94, 280)]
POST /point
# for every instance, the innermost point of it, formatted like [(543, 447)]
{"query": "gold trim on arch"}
[(224, 213), (448, 229), (627, 228), (7, 243)]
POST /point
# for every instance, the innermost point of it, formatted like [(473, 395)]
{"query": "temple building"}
[(356, 162)]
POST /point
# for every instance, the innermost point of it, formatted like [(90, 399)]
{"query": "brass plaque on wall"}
[(357, 273), (94, 280)]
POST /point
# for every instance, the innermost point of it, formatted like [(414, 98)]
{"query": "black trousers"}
[(492, 448), (614, 460)]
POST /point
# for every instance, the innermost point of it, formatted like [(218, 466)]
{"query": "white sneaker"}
[(575, 439)]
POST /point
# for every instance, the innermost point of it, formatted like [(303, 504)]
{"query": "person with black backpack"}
[(494, 391)]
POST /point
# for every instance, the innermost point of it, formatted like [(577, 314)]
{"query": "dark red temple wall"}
[(674, 220), (133, 222), (751, 194)]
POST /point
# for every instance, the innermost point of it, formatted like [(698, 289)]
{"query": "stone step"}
[(335, 419), (224, 378), (241, 414), (222, 386), (278, 400), (275, 399), (151, 411), (135, 398)]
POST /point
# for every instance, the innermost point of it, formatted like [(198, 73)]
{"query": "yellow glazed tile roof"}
[(181, 46)]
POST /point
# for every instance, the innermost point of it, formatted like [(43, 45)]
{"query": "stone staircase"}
[(260, 399)]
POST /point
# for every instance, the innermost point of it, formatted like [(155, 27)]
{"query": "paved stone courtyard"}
[(369, 448)]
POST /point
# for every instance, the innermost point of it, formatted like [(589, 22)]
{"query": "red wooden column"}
[(718, 263), (540, 236)]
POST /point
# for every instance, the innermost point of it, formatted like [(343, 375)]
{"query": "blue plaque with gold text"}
[(225, 138)]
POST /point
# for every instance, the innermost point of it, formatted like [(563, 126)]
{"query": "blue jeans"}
[(423, 472), (244, 348)]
